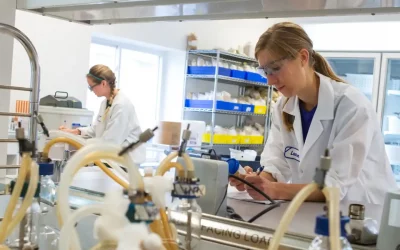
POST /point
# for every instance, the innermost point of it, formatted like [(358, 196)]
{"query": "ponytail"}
[(288, 119), (321, 66)]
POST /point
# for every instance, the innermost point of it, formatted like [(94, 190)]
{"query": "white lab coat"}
[(345, 123), (120, 126)]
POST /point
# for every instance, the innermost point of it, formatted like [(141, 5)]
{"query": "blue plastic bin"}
[(230, 106), (208, 70), (205, 104), (208, 104), (238, 74), (255, 77), (248, 108)]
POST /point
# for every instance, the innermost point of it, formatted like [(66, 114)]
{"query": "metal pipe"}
[(35, 73), (8, 140), (14, 114), (9, 166), (15, 88)]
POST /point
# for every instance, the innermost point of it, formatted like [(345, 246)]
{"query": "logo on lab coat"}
[(292, 153)]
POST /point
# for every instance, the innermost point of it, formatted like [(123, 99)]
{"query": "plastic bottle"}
[(321, 241), (235, 168), (47, 186), (26, 234), (181, 212)]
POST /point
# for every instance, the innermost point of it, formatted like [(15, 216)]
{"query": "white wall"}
[(367, 36), (172, 35), (171, 93), (63, 50)]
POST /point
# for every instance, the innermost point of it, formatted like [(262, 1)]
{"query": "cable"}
[(269, 208), (232, 214), (223, 198), (253, 187)]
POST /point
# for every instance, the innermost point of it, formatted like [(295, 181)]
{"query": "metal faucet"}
[(35, 80)]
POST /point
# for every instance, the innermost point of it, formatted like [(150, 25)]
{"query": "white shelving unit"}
[(204, 83)]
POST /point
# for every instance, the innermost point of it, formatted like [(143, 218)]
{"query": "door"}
[(358, 69), (389, 108)]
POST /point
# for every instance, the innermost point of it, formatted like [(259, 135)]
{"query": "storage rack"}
[(217, 79), (34, 88)]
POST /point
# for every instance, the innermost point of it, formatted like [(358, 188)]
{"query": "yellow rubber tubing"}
[(165, 164), (167, 229), (333, 198), (23, 171), (169, 166), (33, 183), (82, 158), (77, 145), (289, 214), (163, 167)]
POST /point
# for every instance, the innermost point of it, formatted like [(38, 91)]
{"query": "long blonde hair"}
[(286, 39)]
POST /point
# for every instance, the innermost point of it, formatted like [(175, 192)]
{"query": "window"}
[(138, 76)]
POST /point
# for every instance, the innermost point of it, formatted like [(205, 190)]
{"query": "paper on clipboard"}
[(233, 193)]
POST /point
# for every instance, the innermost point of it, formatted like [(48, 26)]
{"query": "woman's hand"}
[(238, 184), (72, 131), (265, 185)]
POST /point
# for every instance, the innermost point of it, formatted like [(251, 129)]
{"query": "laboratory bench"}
[(90, 184)]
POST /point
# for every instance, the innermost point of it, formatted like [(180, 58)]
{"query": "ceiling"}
[(134, 11)]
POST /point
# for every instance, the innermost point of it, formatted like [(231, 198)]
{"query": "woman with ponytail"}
[(318, 111), (117, 121)]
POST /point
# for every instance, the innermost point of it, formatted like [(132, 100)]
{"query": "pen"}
[(259, 170)]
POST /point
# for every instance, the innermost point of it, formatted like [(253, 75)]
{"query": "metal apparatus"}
[(34, 88), (129, 11)]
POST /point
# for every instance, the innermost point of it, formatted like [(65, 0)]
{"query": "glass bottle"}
[(47, 186), (25, 234), (48, 238), (185, 214), (321, 241)]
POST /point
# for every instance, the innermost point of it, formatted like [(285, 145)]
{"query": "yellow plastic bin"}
[(245, 139), (259, 109), (218, 139), (232, 139), (256, 139), (206, 138)]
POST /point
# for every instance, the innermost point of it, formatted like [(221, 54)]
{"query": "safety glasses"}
[(92, 87), (97, 78), (272, 70)]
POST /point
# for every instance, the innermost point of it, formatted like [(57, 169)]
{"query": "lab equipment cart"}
[(226, 77)]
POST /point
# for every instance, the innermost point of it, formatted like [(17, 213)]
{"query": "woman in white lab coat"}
[(116, 121), (318, 111)]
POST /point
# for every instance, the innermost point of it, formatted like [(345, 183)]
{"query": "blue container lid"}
[(322, 225), (46, 169), (233, 165)]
